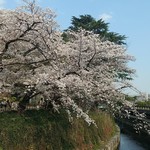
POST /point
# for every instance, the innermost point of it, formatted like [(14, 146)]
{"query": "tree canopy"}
[(100, 27), (73, 75)]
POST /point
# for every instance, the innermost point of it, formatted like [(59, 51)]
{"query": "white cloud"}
[(105, 16)]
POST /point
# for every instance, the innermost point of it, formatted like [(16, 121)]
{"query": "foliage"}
[(143, 104), (44, 130), (99, 27), (7, 96), (130, 98)]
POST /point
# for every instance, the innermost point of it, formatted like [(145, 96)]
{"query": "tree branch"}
[(88, 64)]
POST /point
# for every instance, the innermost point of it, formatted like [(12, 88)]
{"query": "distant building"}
[(149, 97), (143, 97)]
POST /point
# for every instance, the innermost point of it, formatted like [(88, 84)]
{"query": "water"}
[(127, 143)]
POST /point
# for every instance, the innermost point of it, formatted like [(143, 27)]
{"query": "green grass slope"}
[(43, 130)]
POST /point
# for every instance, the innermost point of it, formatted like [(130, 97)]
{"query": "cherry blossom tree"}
[(73, 75)]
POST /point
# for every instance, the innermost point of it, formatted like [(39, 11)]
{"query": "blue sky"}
[(128, 17)]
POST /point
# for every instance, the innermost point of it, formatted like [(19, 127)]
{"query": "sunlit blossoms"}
[(73, 75)]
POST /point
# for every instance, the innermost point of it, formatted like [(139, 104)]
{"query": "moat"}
[(128, 143)]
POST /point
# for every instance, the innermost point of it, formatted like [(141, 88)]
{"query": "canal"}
[(128, 143)]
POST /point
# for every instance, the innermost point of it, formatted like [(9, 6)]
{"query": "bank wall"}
[(114, 142)]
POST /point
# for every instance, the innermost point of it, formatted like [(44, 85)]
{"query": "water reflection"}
[(127, 143)]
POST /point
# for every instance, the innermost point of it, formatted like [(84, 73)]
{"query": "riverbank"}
[(114, 142), (41, 129)]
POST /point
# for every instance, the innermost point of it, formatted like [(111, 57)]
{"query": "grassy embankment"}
[(43, 130)]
